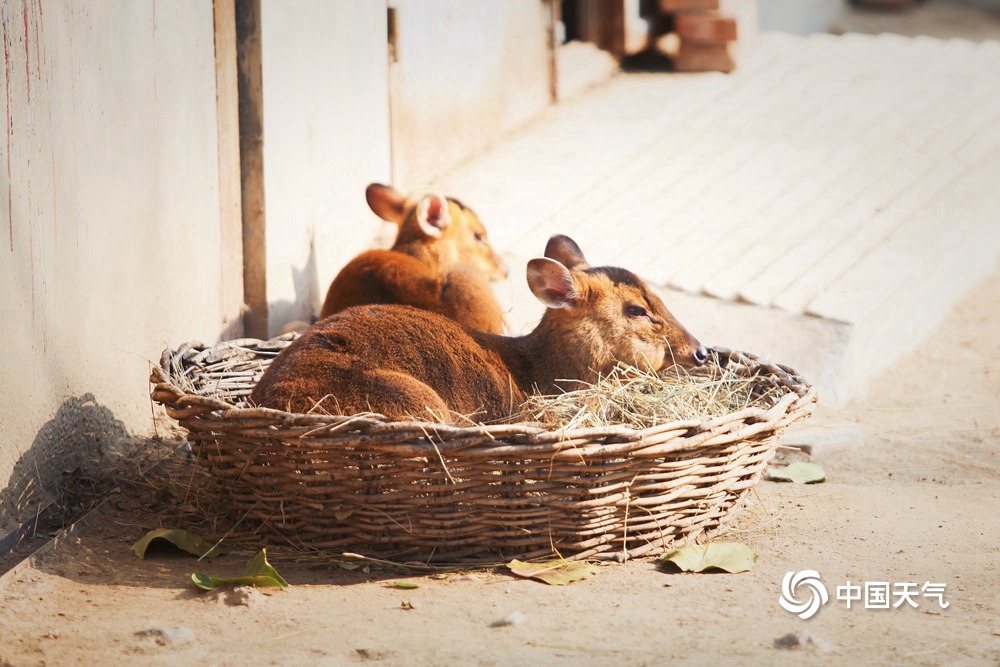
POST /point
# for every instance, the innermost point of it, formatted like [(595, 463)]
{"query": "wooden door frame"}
[(230, 188), (251, 111)]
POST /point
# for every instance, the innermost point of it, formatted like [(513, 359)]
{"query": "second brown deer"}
[(403, 363), (442, 261)]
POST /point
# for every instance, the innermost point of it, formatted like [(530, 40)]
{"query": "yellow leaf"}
[(556, 573), (727, 556)]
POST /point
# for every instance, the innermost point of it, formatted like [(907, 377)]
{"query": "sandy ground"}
[(917, 503)]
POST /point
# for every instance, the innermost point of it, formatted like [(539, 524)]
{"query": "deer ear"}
[(432, 214), (386, 202), (564, 250), (552, 283)]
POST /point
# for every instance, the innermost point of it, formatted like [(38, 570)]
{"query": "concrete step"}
[(835, 195)]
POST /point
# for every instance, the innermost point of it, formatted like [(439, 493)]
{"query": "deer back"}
[(398, 361), (442, 261)]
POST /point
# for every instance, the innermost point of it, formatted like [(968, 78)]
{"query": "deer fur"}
[(404, 362), (441, 261)]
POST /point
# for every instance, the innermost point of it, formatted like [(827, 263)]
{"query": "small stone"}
[(801, 638), (167, 635), (513, 618), (792, 639)]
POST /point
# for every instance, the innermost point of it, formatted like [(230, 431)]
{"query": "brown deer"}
[(407, 363), (441, 262)]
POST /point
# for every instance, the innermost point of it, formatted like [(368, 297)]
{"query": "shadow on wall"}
[(308, 297), (72, 446), (232, 330)]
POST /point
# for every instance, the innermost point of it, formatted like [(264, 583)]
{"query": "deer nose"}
[(700, 355)]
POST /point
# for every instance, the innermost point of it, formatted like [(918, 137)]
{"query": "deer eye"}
[(635, 311), (479, 236)]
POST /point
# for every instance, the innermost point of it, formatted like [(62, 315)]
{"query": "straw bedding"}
[(433, 492)]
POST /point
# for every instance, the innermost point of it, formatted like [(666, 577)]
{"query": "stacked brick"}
[(704, 35)]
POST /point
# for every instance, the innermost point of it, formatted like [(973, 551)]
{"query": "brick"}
[(891, 4), (706, 27), (694, 57), (683, 5)]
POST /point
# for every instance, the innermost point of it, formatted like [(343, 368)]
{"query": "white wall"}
[(111, 208), (326, 137), (109, 220), (799, 17), (464, 74)]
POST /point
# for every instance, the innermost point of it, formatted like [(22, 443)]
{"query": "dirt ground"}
[(917, 502)]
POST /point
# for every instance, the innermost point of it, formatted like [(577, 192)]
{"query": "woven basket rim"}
[(181, 403)]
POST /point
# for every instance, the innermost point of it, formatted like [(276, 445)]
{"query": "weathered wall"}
[(464, 73), (326, 137), (109, 221), (116, 238)]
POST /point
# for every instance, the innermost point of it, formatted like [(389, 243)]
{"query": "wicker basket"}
[(437, 493)]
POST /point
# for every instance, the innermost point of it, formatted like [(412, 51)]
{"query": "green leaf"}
[(556, 573), (204, 581), (208, 582), (799, 472), (727, 556), (181, 539), (258, 566), (258, 572), (404, 585)]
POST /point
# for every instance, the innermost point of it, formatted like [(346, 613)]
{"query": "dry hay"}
[(642, 399)]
